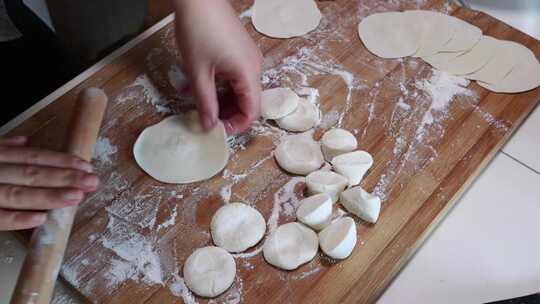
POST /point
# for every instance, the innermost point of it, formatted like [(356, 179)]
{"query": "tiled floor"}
[(487, 249)]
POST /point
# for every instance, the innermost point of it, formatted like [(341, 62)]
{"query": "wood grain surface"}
[(130, 239)]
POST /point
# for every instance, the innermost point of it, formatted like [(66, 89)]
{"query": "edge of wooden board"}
[(13, 123)]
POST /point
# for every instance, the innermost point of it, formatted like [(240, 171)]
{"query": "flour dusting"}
[(151, 94), (178, 288), (285, 200), (104, 151)]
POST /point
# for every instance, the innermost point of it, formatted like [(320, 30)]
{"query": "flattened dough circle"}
[(290, 246), (209, 271), (390, 35), (285, 18), (236, 227), (299, 155), (278, 102), (178, 151), (305, 117)]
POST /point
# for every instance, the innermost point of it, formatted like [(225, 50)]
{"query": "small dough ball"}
[(285, 18), (305, 117), (339, 238), (362, 204), (209, 271), (336, 142), (290, 246), (299, 155), (353, 165), (278, 102), (327, 182), (178, 151), (315, 211), (236, 227)]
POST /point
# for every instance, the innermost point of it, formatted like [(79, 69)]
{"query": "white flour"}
[(285, 200), (137, 255), (104, 151), (151, 94), (170, 221), (178, 288), (442, 88)]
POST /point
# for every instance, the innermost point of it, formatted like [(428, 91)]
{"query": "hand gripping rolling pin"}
[(48, 243)]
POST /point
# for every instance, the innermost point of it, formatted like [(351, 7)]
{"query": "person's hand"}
[(34, 180), (213, 43)]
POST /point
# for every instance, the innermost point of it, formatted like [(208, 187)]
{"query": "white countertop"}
[(487, 249)]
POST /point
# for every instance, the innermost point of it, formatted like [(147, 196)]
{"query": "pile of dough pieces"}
[(454, 46), (236, 227)]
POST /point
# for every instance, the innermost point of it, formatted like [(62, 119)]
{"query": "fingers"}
[(28, 198), (40, 176), (17, 220), (248, 93), (40, 157), (204, 89), (14, 141)]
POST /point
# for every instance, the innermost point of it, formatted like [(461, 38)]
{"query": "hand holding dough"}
[(290, 246), (315, 211), (236, 227), (327, 182), (353, 165), (337, 141), (362, 204), (339, 238), (209, 271), (299, 155), (178, 151)]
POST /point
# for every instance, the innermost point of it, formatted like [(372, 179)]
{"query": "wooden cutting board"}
[(131, 238)]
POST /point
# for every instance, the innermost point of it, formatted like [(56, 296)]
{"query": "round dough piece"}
[(209, 271), (236, 227), (178, 151), (440, 58), (339, 238), (391, 34), (353, 165), (362, 204), (438, 30), (290, 246), (278, 102), (337, 141), (508, 54), (327, 182), (315, 211), (299, 155), (475, 59), (285, 18), (520, 79), (465, 38), (305, 117)]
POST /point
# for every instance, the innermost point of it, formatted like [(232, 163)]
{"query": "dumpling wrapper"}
[(285, 18), (465, 38), (437, 30), (520, 79), (508, 55), (391, 34), (475, 59), (178, 151)]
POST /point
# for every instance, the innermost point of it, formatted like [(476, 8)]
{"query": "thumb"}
[(204, 89)]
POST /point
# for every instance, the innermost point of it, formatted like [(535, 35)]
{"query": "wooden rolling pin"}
[(48, 243)]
